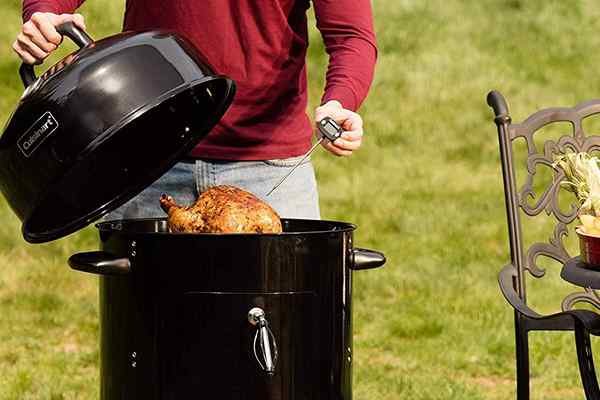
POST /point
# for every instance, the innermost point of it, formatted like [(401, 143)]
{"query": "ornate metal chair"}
[(524, 260)]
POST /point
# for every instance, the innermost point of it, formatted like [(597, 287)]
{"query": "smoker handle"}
[(263, 338), (366, 259), (100, 262), (68, 29)]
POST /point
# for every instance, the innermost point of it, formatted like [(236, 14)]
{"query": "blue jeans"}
[(297, 197)]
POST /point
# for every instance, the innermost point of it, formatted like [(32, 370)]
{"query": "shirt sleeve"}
[(347, 30), (53, 6)]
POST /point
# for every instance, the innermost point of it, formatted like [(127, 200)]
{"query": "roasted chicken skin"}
[(222, 209)]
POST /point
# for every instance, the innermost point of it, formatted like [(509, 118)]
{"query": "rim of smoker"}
[(320, 228)]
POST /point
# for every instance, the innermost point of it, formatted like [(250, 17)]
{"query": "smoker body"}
[(175, 325)]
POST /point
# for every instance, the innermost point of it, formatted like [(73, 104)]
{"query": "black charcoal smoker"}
[(183, 316)]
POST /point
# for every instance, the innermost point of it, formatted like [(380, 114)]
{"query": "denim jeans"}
[(297, 197)]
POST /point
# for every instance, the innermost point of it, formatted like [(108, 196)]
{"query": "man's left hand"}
[(351, 123)]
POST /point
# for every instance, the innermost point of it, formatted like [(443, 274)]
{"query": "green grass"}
[(425, 188)]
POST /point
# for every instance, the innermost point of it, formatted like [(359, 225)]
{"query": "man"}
[(261, 44)]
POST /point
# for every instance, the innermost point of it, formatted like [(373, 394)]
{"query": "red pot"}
[(589, 247)]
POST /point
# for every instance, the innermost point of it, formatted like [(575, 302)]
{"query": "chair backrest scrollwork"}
[(525, 199)]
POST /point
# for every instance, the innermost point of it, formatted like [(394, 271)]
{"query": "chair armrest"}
[(584, 323), (506, 279), (589, 319)]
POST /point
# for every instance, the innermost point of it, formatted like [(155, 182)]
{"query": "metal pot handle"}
[(68, 29), (100, 262), (366, 259), (263, 338)]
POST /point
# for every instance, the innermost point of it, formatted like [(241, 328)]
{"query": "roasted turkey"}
[(222, 209)]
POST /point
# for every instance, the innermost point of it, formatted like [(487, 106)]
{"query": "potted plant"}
[(582, 177)]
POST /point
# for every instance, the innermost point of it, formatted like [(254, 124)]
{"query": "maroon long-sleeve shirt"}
[(261, 44)]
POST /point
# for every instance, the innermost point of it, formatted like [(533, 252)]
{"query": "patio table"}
[(579, 273)]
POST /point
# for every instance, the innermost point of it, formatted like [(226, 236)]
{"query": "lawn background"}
[(425, 188)]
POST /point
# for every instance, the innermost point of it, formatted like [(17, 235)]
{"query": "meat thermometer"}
[(329, 130)]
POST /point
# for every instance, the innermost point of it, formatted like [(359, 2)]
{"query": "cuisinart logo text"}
[(39, 131)]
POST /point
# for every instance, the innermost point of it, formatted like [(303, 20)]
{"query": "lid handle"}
[(68, 29)]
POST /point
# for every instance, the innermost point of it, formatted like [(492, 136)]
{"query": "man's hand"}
[(38, 37), (350, 121)]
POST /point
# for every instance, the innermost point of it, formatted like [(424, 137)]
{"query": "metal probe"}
[(329, 130)]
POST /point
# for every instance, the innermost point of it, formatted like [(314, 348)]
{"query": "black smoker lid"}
[(143, 147)]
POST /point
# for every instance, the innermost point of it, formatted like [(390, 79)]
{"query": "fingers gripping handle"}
[(68, 29), (76, 34)]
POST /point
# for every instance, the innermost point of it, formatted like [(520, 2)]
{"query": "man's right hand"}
[(38, 37)]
